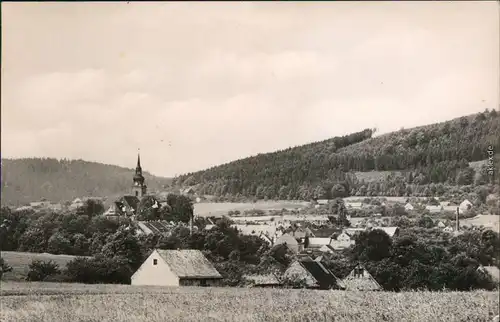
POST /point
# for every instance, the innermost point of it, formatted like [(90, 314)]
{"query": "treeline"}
[(31, 179), (419, 258), (437, 153)]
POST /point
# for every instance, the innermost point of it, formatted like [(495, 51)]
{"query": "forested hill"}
[(436, 154), (26, 180)]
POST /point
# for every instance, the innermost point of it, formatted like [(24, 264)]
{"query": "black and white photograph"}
[(254, 161)]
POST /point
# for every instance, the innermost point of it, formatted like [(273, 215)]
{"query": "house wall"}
[(160, 274), (199, 282)]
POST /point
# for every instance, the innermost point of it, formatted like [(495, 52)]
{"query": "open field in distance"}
[(206, 209), (130, 303), (20, 261)]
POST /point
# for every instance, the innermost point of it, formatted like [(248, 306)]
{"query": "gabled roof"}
[(325, 279), (189, 263), (131, 201), (493, 271), (318, 242), (391, 231), (363, 282), (269, 279)]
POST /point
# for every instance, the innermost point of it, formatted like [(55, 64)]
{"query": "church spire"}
[(139, 188), (138, 167)]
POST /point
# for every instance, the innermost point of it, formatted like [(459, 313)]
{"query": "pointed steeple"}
[(138, 167)]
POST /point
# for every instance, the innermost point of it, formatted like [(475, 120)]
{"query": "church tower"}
[(139, 188)]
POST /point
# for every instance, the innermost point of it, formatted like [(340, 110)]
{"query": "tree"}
[(124, 244), (182, 208), (4, 267), (425, 222), (59, 244), (40, 270), (91, 207), (374, 245)]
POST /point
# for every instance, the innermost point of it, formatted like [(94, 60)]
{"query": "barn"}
[(187, 267)]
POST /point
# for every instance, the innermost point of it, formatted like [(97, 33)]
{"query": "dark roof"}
[(132, 201), (321, 274), (324, 232)]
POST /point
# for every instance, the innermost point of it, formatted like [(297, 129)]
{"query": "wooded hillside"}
[(436, 154), (26, 180)]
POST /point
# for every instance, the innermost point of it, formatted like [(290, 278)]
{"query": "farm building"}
[(434, 209), (125, 206), (313, 274), (344, 240), (408, 207), (448, 229), (269, 280), (289, 241), (465, 206), (492, 271), (154, 227), (318, 242), (361, 280), (187, 267)]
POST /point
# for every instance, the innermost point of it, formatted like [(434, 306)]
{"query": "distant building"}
[(269, 280), (139, 189), (361, 280), (288, 241), (313, 274), (492, 271), (186, 267), (448, 229), (40, 204), (465, 206), (409, 207), (127, 205)]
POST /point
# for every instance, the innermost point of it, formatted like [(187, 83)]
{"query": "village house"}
[(448, 229), (465, 206), (290, 242), (40, 204), (409, 207), (264, 280), (492, 271), (313, 274), (187, 267), (434, 209), (361, 280)]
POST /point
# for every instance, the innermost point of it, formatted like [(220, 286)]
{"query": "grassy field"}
[(20, 262), (66, 302), (217, 209), (489, 221)]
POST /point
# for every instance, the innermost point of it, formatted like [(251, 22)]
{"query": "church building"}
[(128, 204)]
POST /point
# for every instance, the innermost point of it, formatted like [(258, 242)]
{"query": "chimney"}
[(457, 228)]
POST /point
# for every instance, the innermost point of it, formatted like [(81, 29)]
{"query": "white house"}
[(187, 267), (441, 225), (465, 206), (409, 207), (448, 229)]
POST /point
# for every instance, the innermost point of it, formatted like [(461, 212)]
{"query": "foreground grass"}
[(75, 302)]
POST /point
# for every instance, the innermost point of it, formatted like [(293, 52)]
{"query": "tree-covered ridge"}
[(31, 179), (297, 165), (433, 154)]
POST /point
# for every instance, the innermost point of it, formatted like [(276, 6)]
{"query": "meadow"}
[(76, 302), (218, 209), (20, 261)]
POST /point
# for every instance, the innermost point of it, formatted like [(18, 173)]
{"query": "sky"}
[(195, 85)]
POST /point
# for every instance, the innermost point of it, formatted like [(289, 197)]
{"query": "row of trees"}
[(434, 154)]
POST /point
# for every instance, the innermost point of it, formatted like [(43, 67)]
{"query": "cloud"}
[(194, 85)]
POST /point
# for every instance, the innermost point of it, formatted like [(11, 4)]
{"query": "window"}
[(137, 193), (155, 261)]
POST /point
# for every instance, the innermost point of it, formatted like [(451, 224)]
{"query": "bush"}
[(99, 269), (4, 268), (40, 270)]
